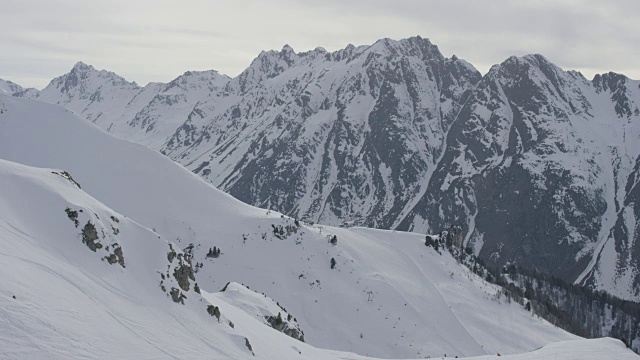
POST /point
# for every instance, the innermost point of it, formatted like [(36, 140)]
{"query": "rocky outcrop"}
[(214, 311), (90, 237), (177, 296), (180, 273), (285, 327), (117, 256)]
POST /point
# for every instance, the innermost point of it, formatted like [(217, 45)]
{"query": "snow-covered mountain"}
[(10, 88), (387, 294), (82, 281), (539, 170), (128, 110), (311, 127), (536, 164)]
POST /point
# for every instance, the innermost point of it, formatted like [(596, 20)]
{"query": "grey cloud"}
[(156, 41)]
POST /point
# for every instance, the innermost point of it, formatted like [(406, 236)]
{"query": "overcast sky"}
[(157, 40)]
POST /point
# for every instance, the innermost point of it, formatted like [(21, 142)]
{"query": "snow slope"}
[(388, 296), (60, 300), (598, 349)]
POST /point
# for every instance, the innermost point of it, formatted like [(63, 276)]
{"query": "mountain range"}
[(538, 166), (183, 270)]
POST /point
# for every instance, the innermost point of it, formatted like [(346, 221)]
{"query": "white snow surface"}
[(389, 295), (59, 300)]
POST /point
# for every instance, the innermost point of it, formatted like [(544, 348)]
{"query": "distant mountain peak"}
[(287, 49), (82, 66), (412, 46), (609, 81), (9, 87)]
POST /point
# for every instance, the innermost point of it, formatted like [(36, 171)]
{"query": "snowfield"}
[(389, 295)]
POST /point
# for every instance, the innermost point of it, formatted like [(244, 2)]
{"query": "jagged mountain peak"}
[(10, 88), (609, 81), (84, 70), (414, 45), (462, 65), (535, 80), (384, 53), (529, 61), (82, 66), (287, 49), (83, 77), (534, 73), (624, 92), (210, 77), (267, 64), (536, 67), (515, 64)]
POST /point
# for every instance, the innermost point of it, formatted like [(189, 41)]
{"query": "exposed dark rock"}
[(248, 345), (214, 311), (67, 176), (214, 252), (177, 296), (182, 274), (279, 324), (90, 237), (73, 216), (117, 256), (171, 254), (283, 232)]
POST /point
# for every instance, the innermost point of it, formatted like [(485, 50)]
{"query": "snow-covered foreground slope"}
[(59, 299), (598, 349), (388, 295)]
